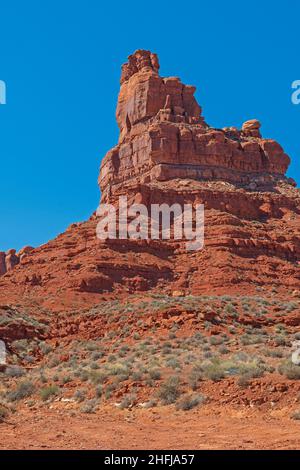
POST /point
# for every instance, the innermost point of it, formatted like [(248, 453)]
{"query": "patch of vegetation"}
[(187, 402), (23, 390), (128, 401), (89, 406), (296, 415), (289, 370), (169, 391), (49, 392)]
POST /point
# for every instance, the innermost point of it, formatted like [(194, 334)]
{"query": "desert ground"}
[(162, 428)]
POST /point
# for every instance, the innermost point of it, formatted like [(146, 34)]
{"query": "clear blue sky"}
[(61, 63)]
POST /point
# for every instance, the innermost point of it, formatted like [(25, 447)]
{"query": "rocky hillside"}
[(168, 153)]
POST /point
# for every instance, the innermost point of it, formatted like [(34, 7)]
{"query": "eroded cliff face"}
[(163, 137), (167, 153)]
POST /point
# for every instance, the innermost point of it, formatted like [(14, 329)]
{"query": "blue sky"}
[(61, 64)]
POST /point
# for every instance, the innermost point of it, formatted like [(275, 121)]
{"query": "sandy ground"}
[(160, 428)]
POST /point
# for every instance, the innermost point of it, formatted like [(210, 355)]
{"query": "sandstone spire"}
[(145, 95)]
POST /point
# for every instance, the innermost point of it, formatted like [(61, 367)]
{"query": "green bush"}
[(169, 391), (3, 413), (24, 389), (79, 395), (214, 371), (98, 377), (188, 402), (280, 341), (289, 370), (252, 371), (14, 371), (244, 380), (48, 392), (173, 363), (296, 415), (155, 374)]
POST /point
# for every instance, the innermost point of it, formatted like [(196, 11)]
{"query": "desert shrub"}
[(91, 346), (96, 355), (45, 348), (3, 413), (121, 378), (118, 369), (111, 358), (214, 371), (190, 359), (289, 370), (150, 404), (54, 362), (223, 350), (296, 415), (230, 309), (128, 401), (89, 406), (23, 390), (154, 374), (137, 376), (21, 345), (277, 353), (169, 391), (14, 371), (291, 306), (94, 366), (29, 359), (194, 379), (66, 379), (149, 382), (98, 377), (244, 380), (173, 363), (252, 370), (48, 392), (43, 378), (98, 391), (216, 340), (280, 340), (79, 395), (109, 389), (240, 356), (187, 402), (249, 339), (83, 374)]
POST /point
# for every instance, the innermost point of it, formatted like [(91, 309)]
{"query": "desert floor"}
[(160, 428)]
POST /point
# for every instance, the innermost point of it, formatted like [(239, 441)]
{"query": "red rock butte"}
[(167, 153), (163, 137)]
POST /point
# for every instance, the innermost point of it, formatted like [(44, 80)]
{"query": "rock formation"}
[(11, 258), (168, 153), (163, 136)]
